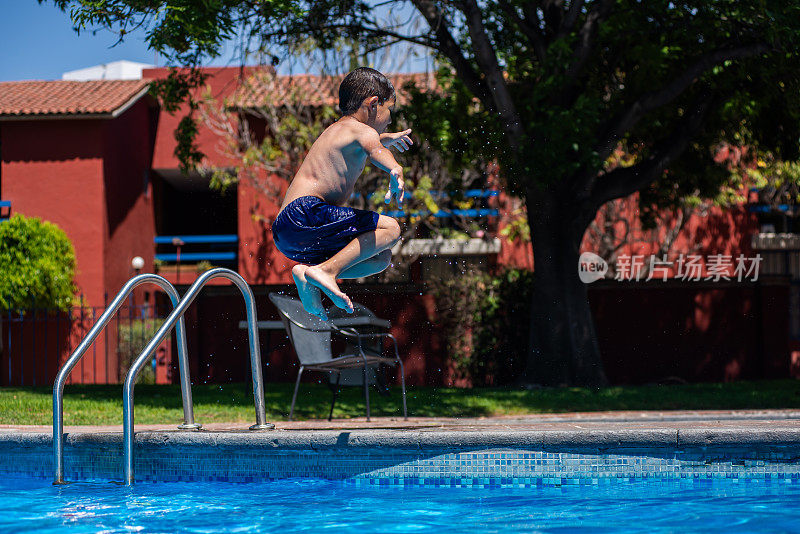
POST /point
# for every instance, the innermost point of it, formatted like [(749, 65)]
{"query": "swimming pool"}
[(731, 505), (382, 480)]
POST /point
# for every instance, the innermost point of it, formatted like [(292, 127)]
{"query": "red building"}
[(79, 154), (97, 159)]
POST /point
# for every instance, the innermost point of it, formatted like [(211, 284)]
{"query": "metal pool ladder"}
[(63, 373), (176, 316)]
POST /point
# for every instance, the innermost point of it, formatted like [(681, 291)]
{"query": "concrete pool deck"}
[(598, 429)]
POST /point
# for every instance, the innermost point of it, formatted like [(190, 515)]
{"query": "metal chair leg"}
[(294, 397), (366, 388), (402, 375), (335, 393), (403, 385)]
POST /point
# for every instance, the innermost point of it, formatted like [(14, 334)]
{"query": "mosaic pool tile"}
[(377, 466)]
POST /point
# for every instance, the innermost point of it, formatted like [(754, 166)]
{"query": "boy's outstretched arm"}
[(382, 157), (399, 140)]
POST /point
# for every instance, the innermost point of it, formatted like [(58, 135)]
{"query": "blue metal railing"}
[(5, 204), (765, 208), (217, 242), (198, 256), (469, 193), (187, 239), (762, 207), (442, 213), (485, 212)]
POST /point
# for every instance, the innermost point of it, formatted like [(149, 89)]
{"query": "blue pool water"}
[(34, 505)]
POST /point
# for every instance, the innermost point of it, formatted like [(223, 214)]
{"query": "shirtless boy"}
[(313, 227)]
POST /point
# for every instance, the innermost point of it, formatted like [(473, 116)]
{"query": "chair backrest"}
[(359, 310), (353, 377), (310, 346)]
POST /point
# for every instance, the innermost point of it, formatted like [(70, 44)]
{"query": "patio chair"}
[(311, 338), (376, 376)]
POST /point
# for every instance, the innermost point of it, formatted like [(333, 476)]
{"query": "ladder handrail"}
[(169, 322), (77, 354)]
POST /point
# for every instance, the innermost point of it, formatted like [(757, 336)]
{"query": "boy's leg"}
[(362, 247), (309, 294), (374, 265)]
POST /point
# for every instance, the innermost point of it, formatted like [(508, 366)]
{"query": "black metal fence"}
[(35, 343)]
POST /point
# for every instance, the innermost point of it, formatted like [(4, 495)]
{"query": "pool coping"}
[(524, 450), (444, 439), (599, 430)]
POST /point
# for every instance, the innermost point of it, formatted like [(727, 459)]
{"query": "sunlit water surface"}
[(34, 505)]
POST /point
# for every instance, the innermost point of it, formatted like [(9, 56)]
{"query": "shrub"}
[(487, 321), (133, 338), (203, 266), (37, 265)]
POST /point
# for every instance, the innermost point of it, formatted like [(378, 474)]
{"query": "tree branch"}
[(568, 23), (532, 15), (486, 58), (450, 48), (583, 50), (530, 32), (553, 14), (650, 101), (624, 181), (421, 40)]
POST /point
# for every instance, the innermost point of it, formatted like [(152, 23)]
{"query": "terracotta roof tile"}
[(60, 97), (262, 89)]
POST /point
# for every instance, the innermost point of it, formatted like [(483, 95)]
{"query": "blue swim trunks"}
[(309, 230)]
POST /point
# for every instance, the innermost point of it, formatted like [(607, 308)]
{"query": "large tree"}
[(560, 85)]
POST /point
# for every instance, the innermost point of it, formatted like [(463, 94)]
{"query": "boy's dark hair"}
[(360, 84)]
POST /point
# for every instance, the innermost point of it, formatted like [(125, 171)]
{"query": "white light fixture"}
[(137, 263)]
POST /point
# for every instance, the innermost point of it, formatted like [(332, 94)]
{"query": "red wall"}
[(53, 169), (130, 221), (91, 178), (720, 231), (259, 261), (697, 332), (221, 81)]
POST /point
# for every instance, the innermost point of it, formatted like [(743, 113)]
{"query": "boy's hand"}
[(395, 186), (399, 140)]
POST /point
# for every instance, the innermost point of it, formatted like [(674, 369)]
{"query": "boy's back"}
[(333, 164)]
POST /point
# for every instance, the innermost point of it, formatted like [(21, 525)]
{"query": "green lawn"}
[(102, 405)]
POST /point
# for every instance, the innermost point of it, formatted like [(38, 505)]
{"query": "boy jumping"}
[(313, 227)]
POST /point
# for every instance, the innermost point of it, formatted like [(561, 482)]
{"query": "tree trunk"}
[(563, 347)]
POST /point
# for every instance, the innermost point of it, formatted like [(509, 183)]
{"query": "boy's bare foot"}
[(309, 294), (327, 283)]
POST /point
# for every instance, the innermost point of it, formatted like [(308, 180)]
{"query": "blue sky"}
[(37, 42)]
